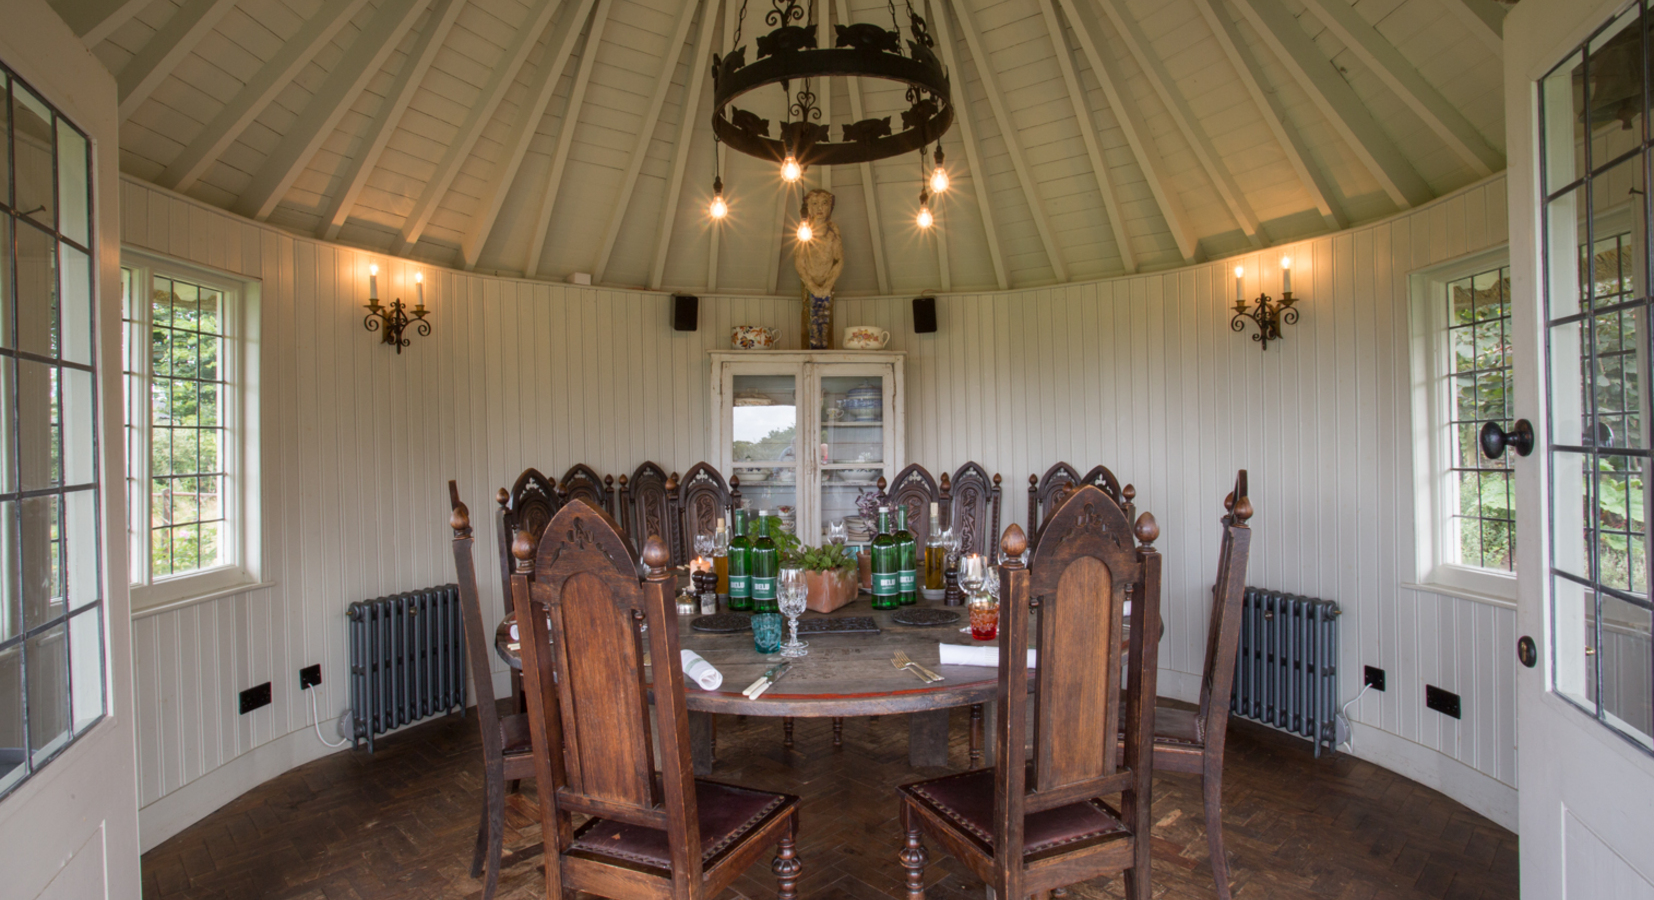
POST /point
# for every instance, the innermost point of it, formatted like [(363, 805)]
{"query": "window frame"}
[(243, 535), (1436, 494)]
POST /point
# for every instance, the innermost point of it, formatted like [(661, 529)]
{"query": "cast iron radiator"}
[(1286, 670), (407, 660)]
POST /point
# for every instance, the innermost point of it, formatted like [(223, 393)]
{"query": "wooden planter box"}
[(829, 590)]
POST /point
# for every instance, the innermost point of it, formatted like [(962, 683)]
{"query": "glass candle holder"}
[(766, 632), (984, 612)]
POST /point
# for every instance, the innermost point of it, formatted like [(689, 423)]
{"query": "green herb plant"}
[(827, 557)]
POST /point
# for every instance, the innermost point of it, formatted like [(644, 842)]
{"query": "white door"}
[(1577, 122), (68, 782)]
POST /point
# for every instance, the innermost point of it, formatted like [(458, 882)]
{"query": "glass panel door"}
[(855, 443), (764, 442)]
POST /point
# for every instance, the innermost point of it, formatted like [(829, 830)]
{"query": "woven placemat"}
[(924, 616), (838, 625), (722, 623)]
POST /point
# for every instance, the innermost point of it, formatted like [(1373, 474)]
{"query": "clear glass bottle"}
[(766, 567), (935, 552), (740, 566), (907, 561), (885, 593)]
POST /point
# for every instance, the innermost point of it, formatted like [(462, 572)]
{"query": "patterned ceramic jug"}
[(865, 337), (752, 337)]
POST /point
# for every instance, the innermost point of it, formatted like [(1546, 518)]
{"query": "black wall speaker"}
[(924, 315), (686, 312)]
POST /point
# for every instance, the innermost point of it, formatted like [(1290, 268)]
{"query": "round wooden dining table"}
[(843, 675)]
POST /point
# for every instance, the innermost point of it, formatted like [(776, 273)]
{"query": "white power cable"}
[(317, 716), (1344, 718)]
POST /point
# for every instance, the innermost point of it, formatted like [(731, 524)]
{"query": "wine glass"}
[(705, 547), (835, 531), (973, 572), (792, 590)]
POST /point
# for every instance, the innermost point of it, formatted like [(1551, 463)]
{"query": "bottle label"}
[(907, 581), (740, 586), (763, 589), (884, 584)]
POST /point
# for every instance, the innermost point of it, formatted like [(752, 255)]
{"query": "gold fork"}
[(901, 661)]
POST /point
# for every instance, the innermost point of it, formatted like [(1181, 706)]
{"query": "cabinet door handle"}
[(1494, 439), (1526, 652)]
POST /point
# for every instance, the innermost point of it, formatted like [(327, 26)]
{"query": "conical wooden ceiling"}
[(549, 137)]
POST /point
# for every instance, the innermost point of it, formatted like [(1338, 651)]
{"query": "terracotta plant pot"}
[(829, 590), (865, 560)]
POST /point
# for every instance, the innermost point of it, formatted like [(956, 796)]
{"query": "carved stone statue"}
[(819, 261)]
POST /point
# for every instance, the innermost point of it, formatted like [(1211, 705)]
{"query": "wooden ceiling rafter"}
[(482, 111), (565, 135), (94, 20), (1337, 101), (973, 151), (1403, 79), (688, 116), (368, 53), (1268, 102), (378, 135), (1184, 117), (144, 72), (869, 187), (1089, 31), (1008, 133), (559, 48), (1485, 19)]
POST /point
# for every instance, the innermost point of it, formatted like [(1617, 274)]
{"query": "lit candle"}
[(373, 282), (1286, 274), (419, 283), (1240, 284)]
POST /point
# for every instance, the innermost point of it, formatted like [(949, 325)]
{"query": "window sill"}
[(1462, 593), (216, 593)]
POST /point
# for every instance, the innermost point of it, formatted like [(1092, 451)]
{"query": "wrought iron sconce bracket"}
[(392, 320), (1268, 314)]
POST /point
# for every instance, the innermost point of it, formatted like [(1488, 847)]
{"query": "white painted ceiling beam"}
[(560, 46), (1485, 19), (565, 136), (1400, 76), (869, 188), (144, 72), (316, 32), (95, 20), (500, 78), (1336, 100), (1274, 114), (1161, 80), (1088, 132), (967, 134), (367, 55), (1008, 132), (441, 19), (1089, 31), (690, 114)]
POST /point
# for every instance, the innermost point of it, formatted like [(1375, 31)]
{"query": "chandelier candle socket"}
[(1267, 313)]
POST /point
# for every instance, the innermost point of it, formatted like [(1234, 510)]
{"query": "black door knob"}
[(1526, 653), (1494, 439)]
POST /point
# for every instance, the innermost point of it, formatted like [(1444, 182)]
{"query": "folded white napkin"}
[(700, 671), (962, 655)]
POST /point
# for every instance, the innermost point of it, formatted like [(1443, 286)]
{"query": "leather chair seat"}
[(727, 814), (967, 800), (514, 734), (1178, 726)]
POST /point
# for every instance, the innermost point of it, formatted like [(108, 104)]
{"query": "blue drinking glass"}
[(766, 632)]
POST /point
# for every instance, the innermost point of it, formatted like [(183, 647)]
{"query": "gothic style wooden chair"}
[(1104, 480), (701, 499), (581, 483), (970, 506), (529, 505), (507, 752), (1032, 825), (1043, 493), (1191, 741), (650, 834), (914, 490), (643, 506)]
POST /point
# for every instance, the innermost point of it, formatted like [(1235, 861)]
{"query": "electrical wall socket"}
[(1442, 701), (310, 676), (255, 697), (1373, 677)]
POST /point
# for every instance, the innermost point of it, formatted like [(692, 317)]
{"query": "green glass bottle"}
[(740, 566), (907, 561), (766, 566), (885, 592)]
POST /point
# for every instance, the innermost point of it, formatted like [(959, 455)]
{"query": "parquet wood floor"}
[(400, 825)]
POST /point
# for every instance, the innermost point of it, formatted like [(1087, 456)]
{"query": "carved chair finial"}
[(460, 520), (1242, 510), (1012, 546), (1129, 492), (1147, 530), (657, 557), (522, 547), (502, 497)]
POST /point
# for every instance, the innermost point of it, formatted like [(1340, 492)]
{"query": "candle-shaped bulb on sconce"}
[(419, 284), (373, 282), (1240, 284), (1286, 274)]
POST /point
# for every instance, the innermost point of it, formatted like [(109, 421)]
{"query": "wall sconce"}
[(393, 319), (1268, 313)]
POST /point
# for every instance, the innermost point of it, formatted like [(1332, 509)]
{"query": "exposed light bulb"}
[(925, 218), (938, 180), (373, 270), (790, 171), (419, 277), (804, 232), (1286, 262), (719, 208), (1240, 271)]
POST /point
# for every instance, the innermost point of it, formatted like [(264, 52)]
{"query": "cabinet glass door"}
[(764, 442), (854, 447)]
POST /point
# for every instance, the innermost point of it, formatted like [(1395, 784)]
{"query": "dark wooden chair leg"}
[(496, 833), (712, 737), (786, 866), (482, 841), (787, 732), (976, 735), (913, 856), (1212, 787), (512, 786), (838, 731)]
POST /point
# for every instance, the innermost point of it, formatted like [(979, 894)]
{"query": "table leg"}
[(700, 741), (990, 724), (927, 738)]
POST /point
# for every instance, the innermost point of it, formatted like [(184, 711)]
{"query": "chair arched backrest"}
[(1223, 631), (479, 637), (970, 506), (529, 505), (702, 498), (1043, 490), (581, 483), (643, 505), (914, 490)]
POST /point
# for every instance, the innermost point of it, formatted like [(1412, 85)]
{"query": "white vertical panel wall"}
[(1140, 373)]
